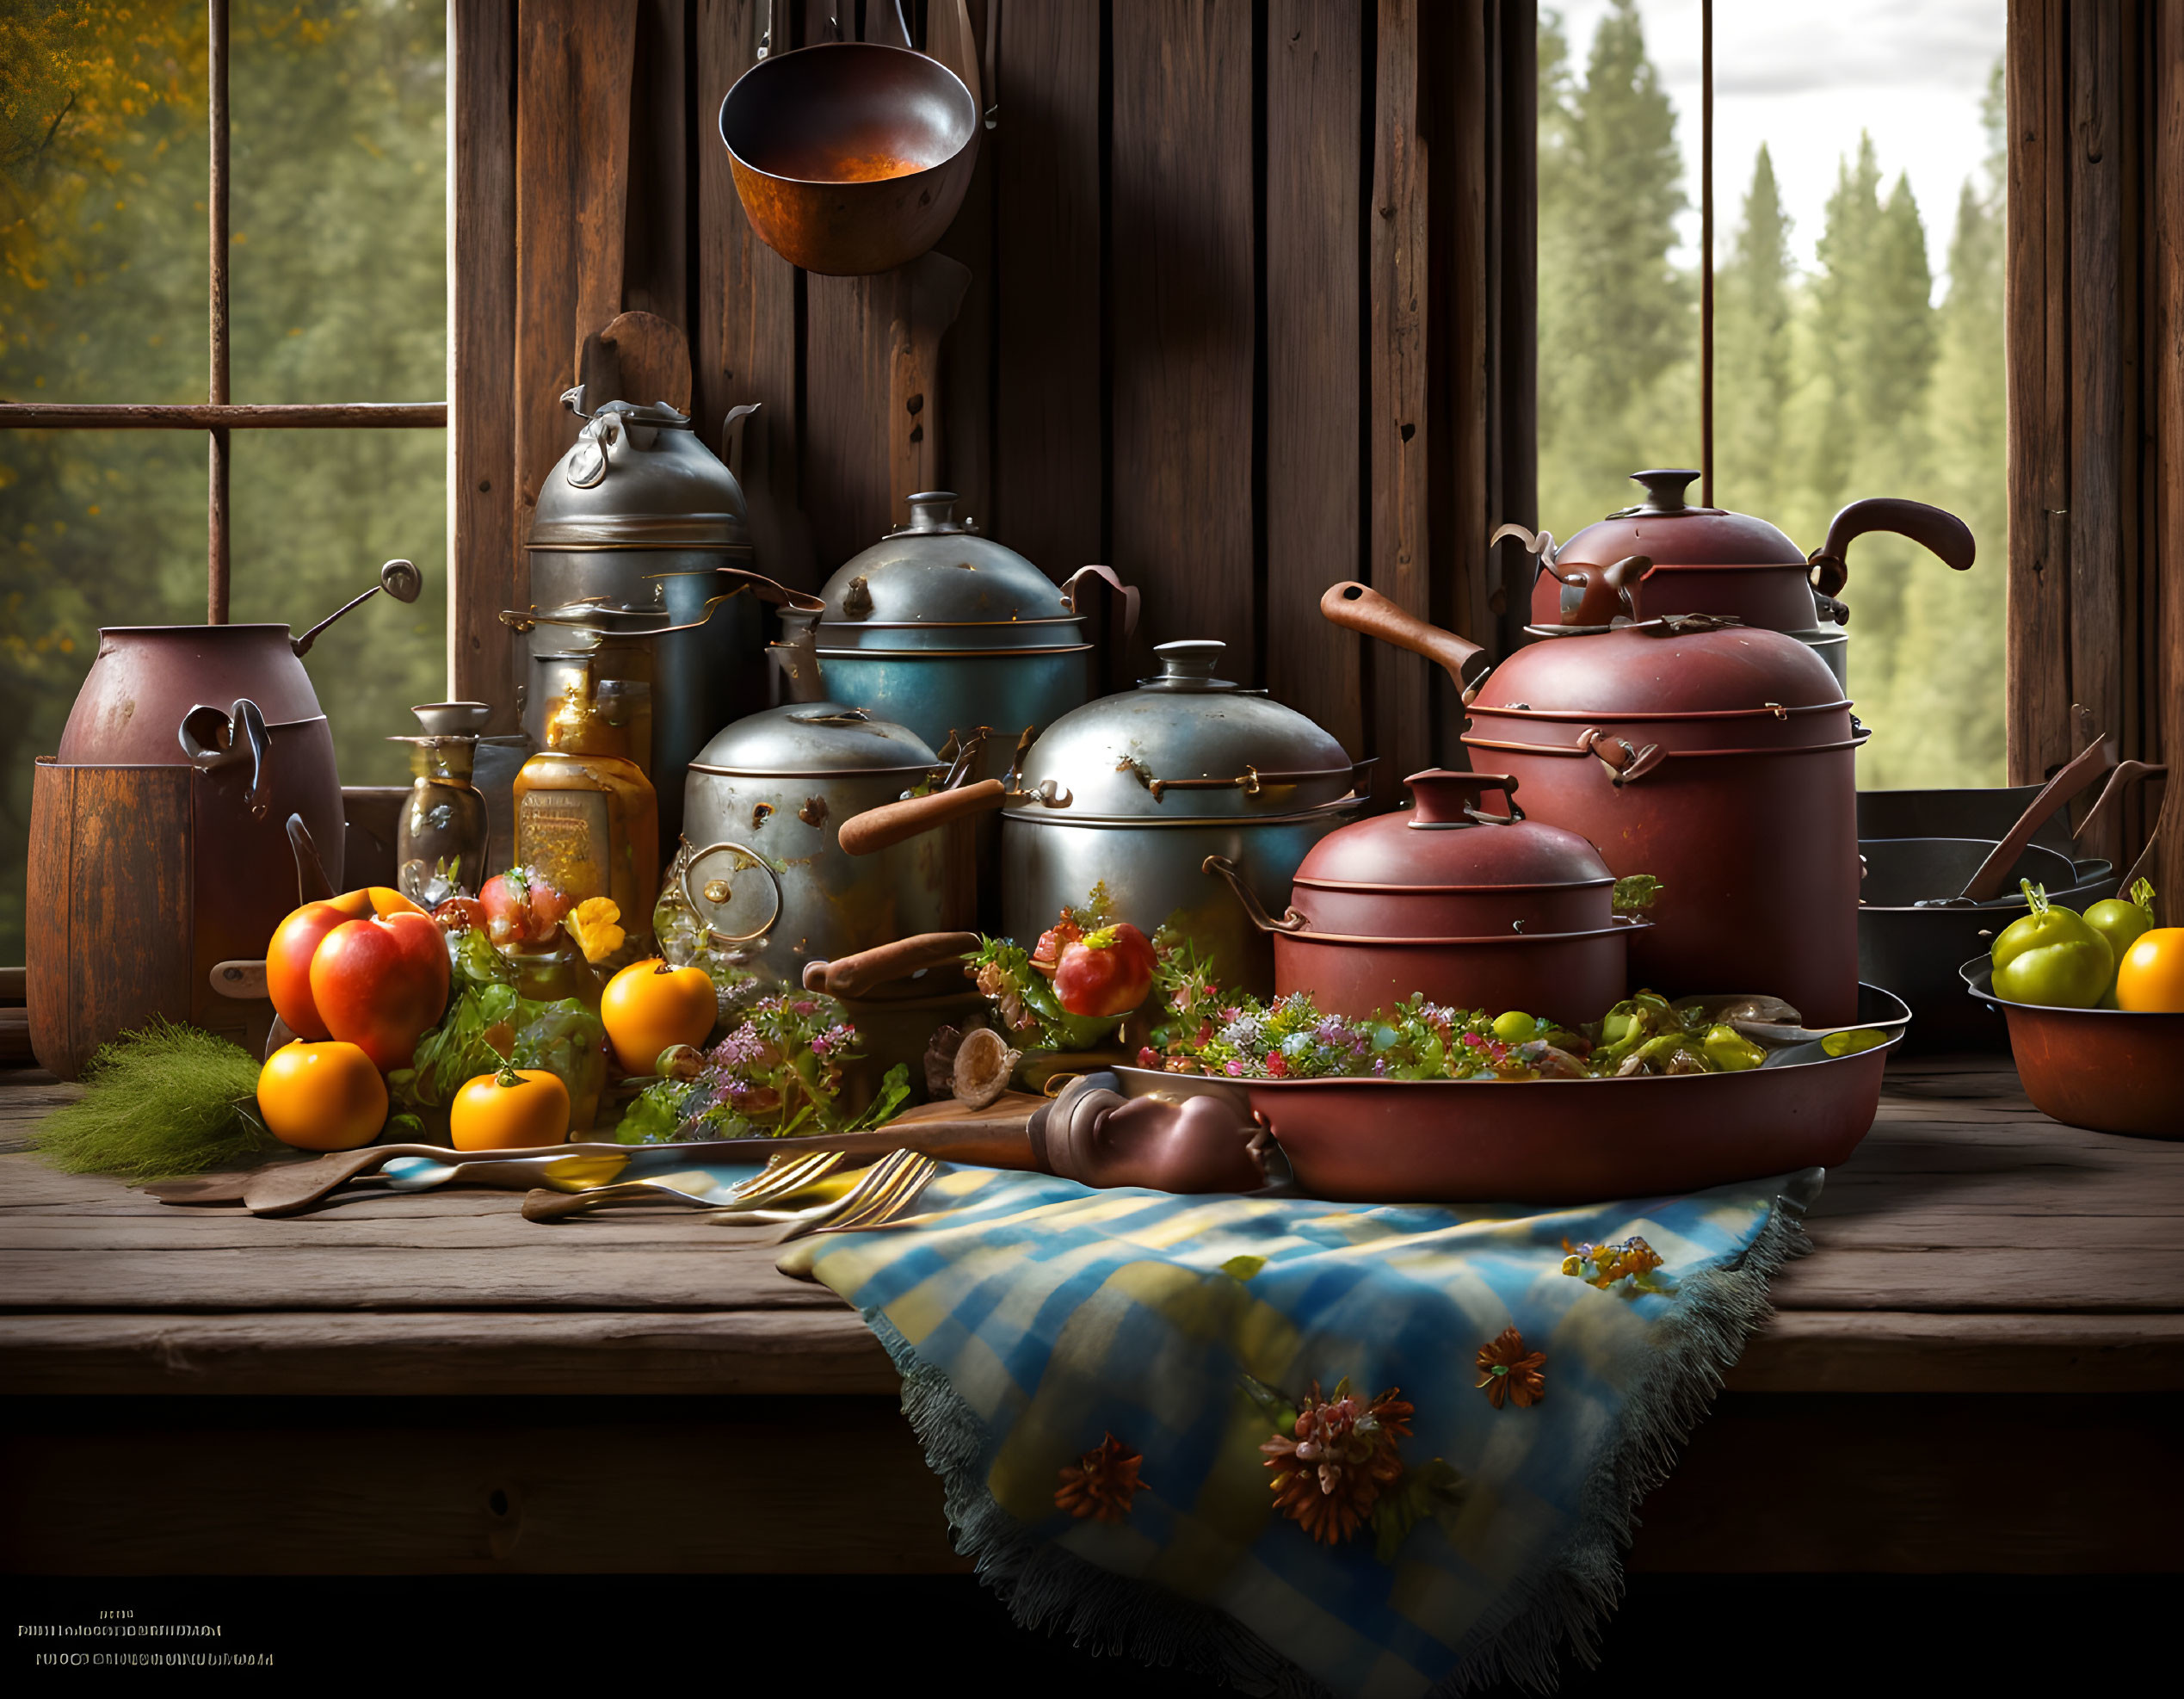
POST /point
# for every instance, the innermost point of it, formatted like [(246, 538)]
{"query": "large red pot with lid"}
[(1474, 910), (1708, 560), (1717, 757)]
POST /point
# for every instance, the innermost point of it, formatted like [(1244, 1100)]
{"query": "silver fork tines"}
[(886, 1189)]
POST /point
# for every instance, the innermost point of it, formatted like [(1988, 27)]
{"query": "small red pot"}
[(1474, 910)]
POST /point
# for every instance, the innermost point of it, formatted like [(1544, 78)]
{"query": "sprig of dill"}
[(168, 1101)]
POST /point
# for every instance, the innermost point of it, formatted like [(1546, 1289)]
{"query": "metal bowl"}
[(1564, 1141), (2110, 1070), (850, 158)]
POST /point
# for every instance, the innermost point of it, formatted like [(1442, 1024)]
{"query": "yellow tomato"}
[(325, 1096), (2149, 979), (517, 1109), (649, 1006)]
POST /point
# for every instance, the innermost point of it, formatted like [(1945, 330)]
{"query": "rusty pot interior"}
[(847, 112)]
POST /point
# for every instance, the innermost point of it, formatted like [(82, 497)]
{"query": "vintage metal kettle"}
[(641, 535), (1708, 560)]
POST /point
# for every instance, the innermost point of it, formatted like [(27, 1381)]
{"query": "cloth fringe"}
[(1566, 1607)]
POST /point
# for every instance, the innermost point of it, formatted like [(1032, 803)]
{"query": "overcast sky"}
[(1806, 77)]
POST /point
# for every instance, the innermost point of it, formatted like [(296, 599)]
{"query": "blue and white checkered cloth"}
[(1031, 1317)]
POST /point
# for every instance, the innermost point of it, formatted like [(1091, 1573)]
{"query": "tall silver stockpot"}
[(640, 533), (1133, 792), (763, 803)]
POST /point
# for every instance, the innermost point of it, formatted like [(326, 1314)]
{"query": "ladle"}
[(398, 578)]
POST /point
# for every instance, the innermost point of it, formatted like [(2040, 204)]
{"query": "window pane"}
[(338, 289), (316, 512), (1858, 198)]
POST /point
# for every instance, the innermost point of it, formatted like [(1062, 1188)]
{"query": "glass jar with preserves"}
[(586, 820)]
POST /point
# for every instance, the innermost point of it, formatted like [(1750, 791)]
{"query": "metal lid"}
[(1696, 664), (936, 584), (1185, 745), (1669, 531), (811, 739), (637, 477), (1444, 841)]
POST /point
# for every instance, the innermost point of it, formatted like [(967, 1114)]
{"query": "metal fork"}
[(885, 1191), (784, 1177)]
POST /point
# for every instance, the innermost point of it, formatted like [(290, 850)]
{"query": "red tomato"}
[(1105, 972), (370, 967), (520, 909)]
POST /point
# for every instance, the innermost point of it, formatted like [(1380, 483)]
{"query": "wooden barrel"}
[(126, 915)]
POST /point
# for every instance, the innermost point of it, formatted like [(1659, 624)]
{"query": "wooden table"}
[(1976, 1372)]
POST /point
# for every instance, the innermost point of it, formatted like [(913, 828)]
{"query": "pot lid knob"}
[(1441, 797), (931, 511), (1189, 664), (1665, 491)]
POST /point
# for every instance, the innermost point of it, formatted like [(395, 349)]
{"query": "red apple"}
[(368, 968)]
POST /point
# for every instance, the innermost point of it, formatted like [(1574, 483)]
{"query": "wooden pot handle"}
[(892, 823), (855, 975), (2079, 774), (1931, 528), (1358, 608)]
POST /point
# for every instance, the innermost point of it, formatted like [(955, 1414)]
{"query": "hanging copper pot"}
[(1474, 910), (1715, 755), (1708, 560)]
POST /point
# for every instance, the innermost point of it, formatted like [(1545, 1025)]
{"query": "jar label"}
[(562, 836)]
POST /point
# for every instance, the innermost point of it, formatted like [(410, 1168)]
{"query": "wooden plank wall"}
[(2096, 360), (1226, 306)]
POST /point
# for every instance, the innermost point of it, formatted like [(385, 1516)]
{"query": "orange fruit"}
[(514, 1109), (2149, 979), (323, 1097), (649, 1006)]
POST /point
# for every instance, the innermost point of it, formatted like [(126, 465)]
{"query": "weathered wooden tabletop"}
[(1984, 1281)]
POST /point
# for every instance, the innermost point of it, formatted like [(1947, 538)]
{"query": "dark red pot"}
[(1718, 758), (1473, 910)]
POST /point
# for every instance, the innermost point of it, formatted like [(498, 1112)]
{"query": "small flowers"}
[(1631, 1259), (594, 923), (1338, 1458), (1507, 1371), (1101, 1483)]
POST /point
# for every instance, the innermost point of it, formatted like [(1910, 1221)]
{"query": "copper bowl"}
[(2110, 1070), (850, 158), (1562, 1141)]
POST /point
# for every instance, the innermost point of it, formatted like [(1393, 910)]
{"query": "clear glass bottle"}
[(444, 836), (586, 820)]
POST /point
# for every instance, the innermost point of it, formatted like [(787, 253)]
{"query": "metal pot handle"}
[(209, 742), (725, 939), (1254, 910), (1625, 765), (1131, 600)]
